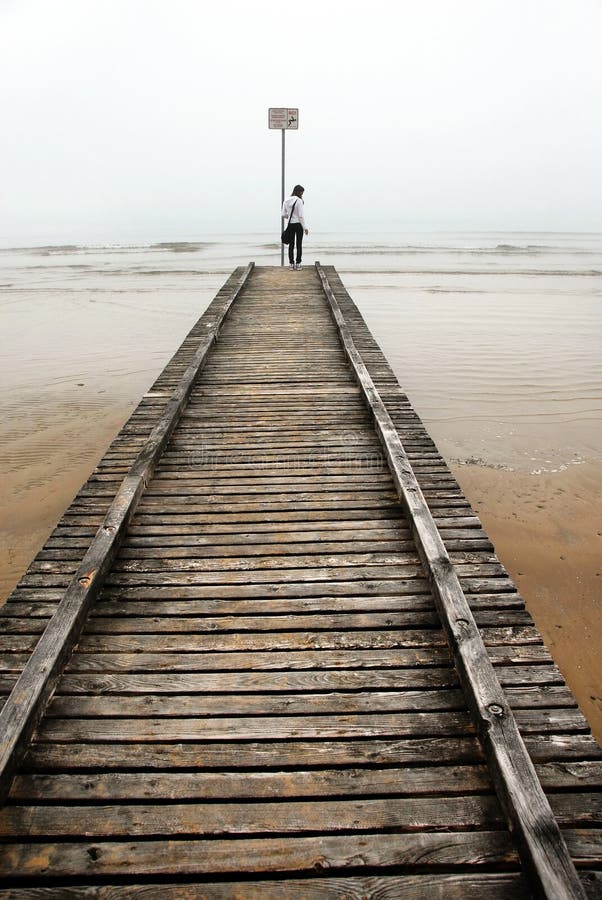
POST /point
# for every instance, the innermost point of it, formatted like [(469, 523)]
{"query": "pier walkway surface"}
[(261, 653)]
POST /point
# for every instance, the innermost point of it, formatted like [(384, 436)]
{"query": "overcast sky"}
[(139, 119)]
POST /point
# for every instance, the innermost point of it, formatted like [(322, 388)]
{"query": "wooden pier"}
[(269, 651)]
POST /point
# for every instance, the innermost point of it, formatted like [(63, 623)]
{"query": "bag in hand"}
[(287, 235)]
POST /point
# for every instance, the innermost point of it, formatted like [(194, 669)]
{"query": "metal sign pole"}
[(282, 200), (282, 118)]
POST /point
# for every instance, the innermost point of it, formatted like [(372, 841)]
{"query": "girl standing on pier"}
[(297, 221)]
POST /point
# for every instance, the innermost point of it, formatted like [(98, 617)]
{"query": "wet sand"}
[(547, 531), (56, 459)]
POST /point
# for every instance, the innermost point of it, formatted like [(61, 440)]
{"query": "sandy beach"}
[(48, 465), (548, 533), (515, 411)]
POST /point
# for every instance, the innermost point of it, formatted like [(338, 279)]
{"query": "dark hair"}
[(298, 190)]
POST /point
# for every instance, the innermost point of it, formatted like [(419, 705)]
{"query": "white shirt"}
[(297, 213)]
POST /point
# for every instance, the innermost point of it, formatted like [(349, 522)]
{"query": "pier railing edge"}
[(541, 844), (28, 699)]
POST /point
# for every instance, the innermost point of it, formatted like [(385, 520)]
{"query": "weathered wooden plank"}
[(281, 542), (267, 855), (387, 513), (351, 701), (177, 576), (404, 724), (157, 756), (203, 786), (14, 609), (261, 681), (114, 604), (192, 642), (319, 526), (277, 754), (373, 658), (274, 682), (409, 781), (167, 561), (136, 622), (285, 727), (367, 588), (359, 437), (570, 775), (478, 812), (578, 809), (239, 504), (189, 492), (204, 549), (232, 545), (248, 705), (390, 512), (340, 580), (267, 642)]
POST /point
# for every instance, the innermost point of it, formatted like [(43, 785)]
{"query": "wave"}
[(58, 249), (464, 246), (341, 269), (533, 248), (50, 249), (182, 246)]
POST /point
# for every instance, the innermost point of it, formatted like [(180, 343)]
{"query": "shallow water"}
[(495, 337), (506, 369)]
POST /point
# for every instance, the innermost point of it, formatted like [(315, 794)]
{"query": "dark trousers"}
[(297, 238)]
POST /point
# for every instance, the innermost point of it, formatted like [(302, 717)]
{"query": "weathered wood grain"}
[(293, 817), (536, 677), (289, 704), (111, 787), (352, 725), (198, 857), (262, 755), (261, 682)]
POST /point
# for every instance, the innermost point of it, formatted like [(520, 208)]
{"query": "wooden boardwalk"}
[(260, 675)]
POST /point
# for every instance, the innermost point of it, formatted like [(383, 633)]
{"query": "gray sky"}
[(139, 119)]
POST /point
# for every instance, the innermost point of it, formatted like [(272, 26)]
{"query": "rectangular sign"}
[(281, 117)]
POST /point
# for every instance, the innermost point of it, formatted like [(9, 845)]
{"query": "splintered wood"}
[(263, 701)]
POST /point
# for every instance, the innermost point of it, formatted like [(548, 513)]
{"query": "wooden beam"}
[(29, 697), (542, 848)]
